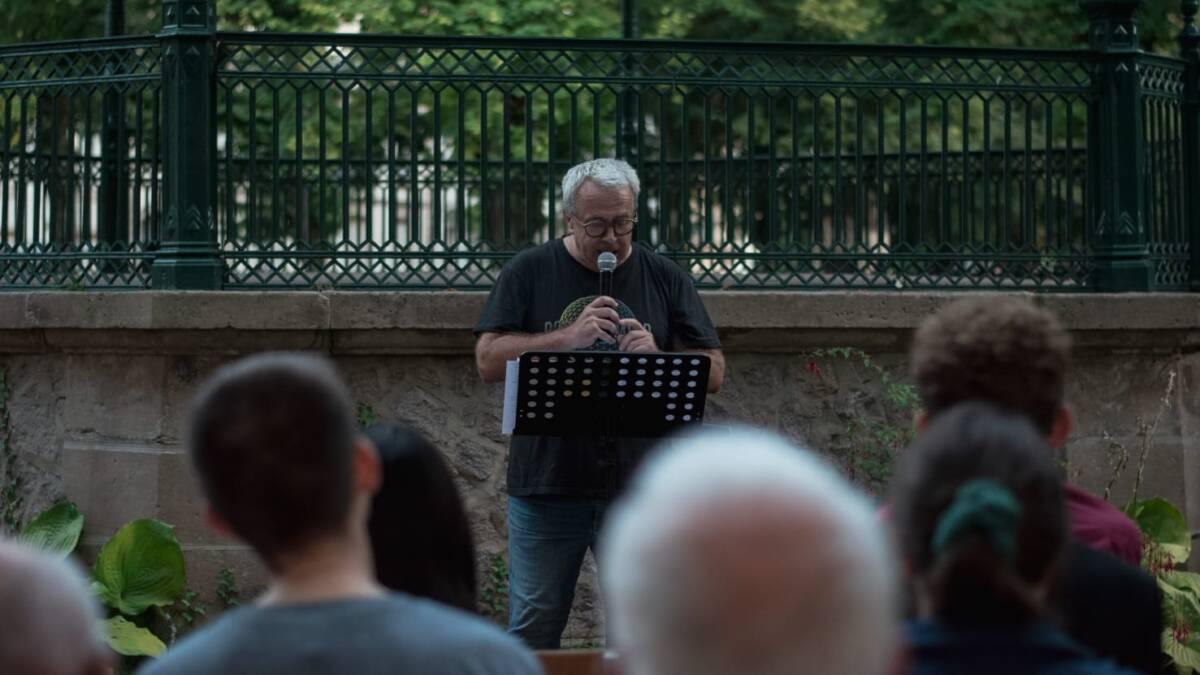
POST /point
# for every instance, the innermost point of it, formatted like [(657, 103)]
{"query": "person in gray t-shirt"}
[(391, 635), (284, 468)]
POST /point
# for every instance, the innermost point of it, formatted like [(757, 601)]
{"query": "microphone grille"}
[(606, 262)]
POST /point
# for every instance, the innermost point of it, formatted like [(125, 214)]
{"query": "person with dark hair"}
[(1007, 352), (283, 467), (981, 523), (419, 531), (1014, 355)]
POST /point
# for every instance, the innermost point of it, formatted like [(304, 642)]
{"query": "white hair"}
[(609, 173), (741, 554), (52, 617)]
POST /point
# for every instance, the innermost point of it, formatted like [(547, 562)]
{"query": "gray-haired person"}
[(52, 625), (741, 554), (546, 299)]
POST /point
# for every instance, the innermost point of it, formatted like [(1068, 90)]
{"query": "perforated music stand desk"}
[(609, 394)]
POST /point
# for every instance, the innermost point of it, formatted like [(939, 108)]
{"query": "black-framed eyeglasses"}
[(596, 227)]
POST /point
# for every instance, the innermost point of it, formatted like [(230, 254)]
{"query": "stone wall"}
[(98, 383)]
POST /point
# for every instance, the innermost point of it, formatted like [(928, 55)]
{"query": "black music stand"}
[(609, 394)]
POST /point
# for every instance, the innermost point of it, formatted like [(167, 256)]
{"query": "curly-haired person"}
[(1005, 351)]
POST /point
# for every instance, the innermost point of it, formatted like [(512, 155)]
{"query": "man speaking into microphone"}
[(592, 289)]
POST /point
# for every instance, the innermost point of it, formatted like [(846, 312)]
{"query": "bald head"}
[(740, 553), (52, 626)]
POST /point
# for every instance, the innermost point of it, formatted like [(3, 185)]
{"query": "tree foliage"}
[(294, 16), (531, 18), (1013, 23), (773, 20)]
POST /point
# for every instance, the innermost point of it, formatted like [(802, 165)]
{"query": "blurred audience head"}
[(419, 530), (274, 441), (999, 349), (979, 514), (52, 619), (741, 553)]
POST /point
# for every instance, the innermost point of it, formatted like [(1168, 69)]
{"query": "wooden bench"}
[(576, 662)]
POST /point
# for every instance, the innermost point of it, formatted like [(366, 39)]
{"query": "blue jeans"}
[(547, 540)]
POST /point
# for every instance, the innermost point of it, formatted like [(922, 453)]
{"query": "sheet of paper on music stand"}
[(511, 381)]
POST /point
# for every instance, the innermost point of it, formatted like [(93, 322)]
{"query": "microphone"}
[(606, 262)]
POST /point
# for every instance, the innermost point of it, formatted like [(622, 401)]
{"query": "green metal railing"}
[(200, 159)]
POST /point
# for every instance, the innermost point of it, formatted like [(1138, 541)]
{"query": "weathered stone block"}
[(1187, 400), (228, 341), (12, 312), (22, 341), (181, 502), (214, 310), (402, 342), (414, 310), (34, 404), (204, 565), (1124, 311), (824, 309), (1111, 394), (94, 309), (111, 484), (183, 375), (109, 396), (35, 433), (1091, 464)]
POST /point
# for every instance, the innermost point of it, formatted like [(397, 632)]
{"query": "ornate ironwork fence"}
[(200, 159)]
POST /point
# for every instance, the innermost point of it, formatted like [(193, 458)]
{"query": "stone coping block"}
[(399, 322)]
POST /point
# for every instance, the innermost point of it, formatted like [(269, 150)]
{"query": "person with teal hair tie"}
[(981, 523), (982, 508)]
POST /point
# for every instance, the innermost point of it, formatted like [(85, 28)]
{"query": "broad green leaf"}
[(1185, 655), (55, 530), (1181, 598), (1164, 526), (1182, 580), (140, 567), (129, 639)]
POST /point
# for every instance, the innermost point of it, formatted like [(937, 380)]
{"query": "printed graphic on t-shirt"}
[(573, 310)]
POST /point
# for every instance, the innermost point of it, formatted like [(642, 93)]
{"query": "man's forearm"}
[(492, 355), (716, 373)]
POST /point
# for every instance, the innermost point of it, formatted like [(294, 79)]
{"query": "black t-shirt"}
[(544, 288)]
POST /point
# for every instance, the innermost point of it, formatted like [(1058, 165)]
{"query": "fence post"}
[(1117, 144), (114, 184), (627, 137), (188, 256), (1189, 48), (627, 120)]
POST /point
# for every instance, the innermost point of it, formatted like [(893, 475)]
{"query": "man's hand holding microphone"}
[(601, 321)]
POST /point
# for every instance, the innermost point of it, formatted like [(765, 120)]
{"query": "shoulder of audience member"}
[(192, 653), (1105, 667), (482, 647), (1124, 536)]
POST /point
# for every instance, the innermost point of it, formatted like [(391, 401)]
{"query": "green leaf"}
[(129, 639), (1181, 598), (1164, 526), (140, 567), (1185, 655), (1189, 581), (55, 530)]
